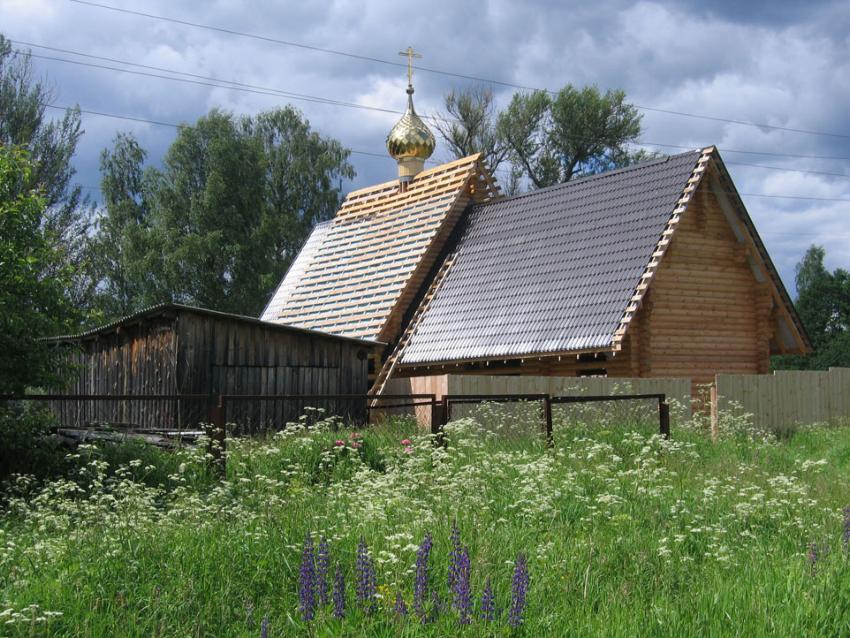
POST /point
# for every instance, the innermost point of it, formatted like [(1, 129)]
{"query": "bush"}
[(26, 442)]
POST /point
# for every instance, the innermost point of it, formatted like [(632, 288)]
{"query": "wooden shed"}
[(194, 354)]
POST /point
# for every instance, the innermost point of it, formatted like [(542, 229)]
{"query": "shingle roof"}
[(296, 271), (552, 270), (352, 275)]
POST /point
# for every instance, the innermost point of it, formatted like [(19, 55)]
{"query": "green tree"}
[(51, 143), (469, 127), (32, 306), (574, 132), (547, 139), (220, 223), (823, 303), (121, 244)]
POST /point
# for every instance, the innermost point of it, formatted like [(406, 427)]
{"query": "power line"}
[(764, 153), (213, 84), (439, 71), (235, 83), (380, 155), (789, 170), (262, 90)]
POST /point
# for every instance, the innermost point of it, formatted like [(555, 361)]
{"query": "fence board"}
[(787, 398)]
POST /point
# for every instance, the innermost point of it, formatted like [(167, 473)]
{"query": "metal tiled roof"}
[(552, 270)]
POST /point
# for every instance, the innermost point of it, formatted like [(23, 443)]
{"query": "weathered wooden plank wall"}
[(137, 359), (224, 356), (197, 353)]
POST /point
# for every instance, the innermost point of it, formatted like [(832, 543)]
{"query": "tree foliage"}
[(823, 303), (547, 139), (219, 224), (51, 143), (121, 245), (469, 127), (31, 305)]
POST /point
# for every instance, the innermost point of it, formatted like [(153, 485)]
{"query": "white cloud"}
[(788, 68)]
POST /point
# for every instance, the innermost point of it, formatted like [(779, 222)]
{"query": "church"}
[(654, 270)]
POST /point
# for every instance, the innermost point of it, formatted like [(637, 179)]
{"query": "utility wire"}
[(262, 90), (380, 155), (215, 84), (771, 233), (440, 71)]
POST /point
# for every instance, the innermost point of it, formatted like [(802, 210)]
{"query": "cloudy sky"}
[(786, 65)]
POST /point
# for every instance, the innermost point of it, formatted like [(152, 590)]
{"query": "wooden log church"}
[(655, 270)]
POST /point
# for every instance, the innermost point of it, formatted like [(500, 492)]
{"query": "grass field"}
[(625, 534)]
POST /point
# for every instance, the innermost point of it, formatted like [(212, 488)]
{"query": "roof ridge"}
[(165, 306), (588, 178), (393, 183)]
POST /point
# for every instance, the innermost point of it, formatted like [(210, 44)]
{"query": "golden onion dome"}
[(410, 139)]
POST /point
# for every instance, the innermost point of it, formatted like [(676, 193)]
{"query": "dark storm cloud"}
[(785, 64)]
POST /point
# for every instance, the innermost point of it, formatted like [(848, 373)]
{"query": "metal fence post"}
[(216, 433), (436, 415), (664, 418), (547, 420), (442, 414)]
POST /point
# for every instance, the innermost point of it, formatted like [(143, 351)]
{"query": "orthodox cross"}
[(410, 54)]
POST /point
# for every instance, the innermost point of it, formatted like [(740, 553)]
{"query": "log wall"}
[(705, 312)]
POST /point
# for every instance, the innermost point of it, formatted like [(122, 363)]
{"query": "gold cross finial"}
[(410, 54)]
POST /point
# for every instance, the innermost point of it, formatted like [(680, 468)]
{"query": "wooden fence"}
[(776, 401), (787, 398)]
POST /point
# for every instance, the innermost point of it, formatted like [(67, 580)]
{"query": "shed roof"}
[(552, 270), (163, 309)]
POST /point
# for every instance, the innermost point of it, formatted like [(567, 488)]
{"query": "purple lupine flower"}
[(399, 608), (462, 590), (323, 565), (488, 603), (339, 593), (812, 556), (845, 536), (264, 627), (367, 583), (519, 589), (307, 581), (420, 584)]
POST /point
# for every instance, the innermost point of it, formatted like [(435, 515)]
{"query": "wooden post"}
[(664, 419), (715, 432), (547, 420), (216, 433)]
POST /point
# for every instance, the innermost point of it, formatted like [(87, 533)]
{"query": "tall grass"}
[(626, 534)]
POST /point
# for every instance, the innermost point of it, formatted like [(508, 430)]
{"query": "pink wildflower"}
[(355, 436), (408, 449), (339, 443), (405, 442), (356, 444)]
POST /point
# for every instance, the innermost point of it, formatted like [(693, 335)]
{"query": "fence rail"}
[(215, 422)]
